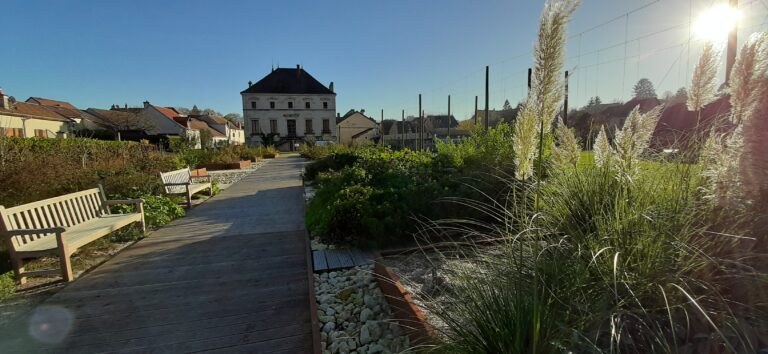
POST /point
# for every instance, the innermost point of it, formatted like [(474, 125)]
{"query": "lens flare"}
[(714, 24)]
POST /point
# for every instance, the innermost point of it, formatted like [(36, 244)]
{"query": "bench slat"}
[(49, 201)]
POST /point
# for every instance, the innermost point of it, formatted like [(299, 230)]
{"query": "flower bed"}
[(227, 166)]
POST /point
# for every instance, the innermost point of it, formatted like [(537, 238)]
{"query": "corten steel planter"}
[(227, 166), (410, 318), (199, 172), (269, 156)]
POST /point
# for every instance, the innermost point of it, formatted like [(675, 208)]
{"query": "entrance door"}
[(291, 127)]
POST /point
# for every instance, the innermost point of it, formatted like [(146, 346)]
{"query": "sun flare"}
[(715, 23)]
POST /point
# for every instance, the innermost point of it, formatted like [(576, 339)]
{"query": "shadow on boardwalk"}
[(231, 275)]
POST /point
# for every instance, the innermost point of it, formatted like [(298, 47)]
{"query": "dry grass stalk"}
[(704, 84), (566, 154), (546, 92)]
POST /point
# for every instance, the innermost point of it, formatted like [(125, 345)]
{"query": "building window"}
[(10, 132), (41, 133), (325, 105), (308, 127), (253, 104), (272, 104), (255, 128), (306, 105), (326, 125), (291, 127), (290, 104), (273, 126)]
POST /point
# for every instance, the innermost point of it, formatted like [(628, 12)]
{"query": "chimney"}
[(250, 83), (330, 87), (4, 104), (126, 106), (298, 71), (146, 104)]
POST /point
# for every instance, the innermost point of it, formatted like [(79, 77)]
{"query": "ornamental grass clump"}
[(543, 101), (624, 254)]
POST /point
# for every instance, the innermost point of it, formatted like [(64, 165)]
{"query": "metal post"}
[(565, 102), (421, 127), (487, 118), (475, 110), (402, 130), (530, 73), (381, 128), (449, 118), (730, 58)]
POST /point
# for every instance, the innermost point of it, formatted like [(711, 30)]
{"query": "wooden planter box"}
[(412, 321), (227, 166), (199, 172), (269, 156)]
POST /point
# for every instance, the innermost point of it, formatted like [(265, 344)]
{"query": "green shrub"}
[(158, 210), (316, 152), (7, 285), (332, 162)]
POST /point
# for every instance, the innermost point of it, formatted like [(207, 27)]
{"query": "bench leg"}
[(189, 200), (18, 268), (66, 265), (210, 188)]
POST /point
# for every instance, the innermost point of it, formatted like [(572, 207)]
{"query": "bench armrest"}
[(124, 201), (47, 230), (177, 184)]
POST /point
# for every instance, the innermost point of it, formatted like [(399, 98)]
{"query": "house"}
[(406, 133), (84, 120), (355, 128), (234, 133), (289, 106), (164, 122), (26, 119), (217, 138), (125, 124)]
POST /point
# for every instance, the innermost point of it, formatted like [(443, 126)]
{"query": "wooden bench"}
[(179, 182), (61, 225)]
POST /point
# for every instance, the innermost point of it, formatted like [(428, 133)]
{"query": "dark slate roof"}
[(290, 81)]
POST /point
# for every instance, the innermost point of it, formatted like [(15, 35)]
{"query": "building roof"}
[(289, 81), (194, 123), (52, 103), (120, 120), (33, 110), (168, 112), (352, 112)]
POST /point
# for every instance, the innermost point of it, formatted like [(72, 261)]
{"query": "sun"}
[(714, 24)]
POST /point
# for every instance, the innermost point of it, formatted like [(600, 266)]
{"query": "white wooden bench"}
[(179, 182), (60, 226)]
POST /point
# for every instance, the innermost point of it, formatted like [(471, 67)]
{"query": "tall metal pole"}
[(475, 110), (565, 102), (449, 118), (402, 130), (486, 98), (421, 126), (730, 58), (530, 73), (381, 128)]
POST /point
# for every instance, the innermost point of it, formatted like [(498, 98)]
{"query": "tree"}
[(234, 118), (594, 101), (644, 89), (507, 106), (682, 93)]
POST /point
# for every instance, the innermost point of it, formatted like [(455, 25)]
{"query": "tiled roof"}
[(168, 112), (66, 112), (198, 124), (34, 111), (119, 119), (290, 81), (52, 103)]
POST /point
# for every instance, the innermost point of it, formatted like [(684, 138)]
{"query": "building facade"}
[(26, 120), (288, 107), (356, 129)]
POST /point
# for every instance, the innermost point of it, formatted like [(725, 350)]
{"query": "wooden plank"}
[(362, 257), (319, 261), (345, 259), (333, 259)]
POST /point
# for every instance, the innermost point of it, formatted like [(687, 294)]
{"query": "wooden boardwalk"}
[(231, 276)]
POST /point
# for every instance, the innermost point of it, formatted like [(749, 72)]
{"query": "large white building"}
[(289, 107)]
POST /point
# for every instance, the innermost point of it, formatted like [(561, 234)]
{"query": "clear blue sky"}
[(380, 54)]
